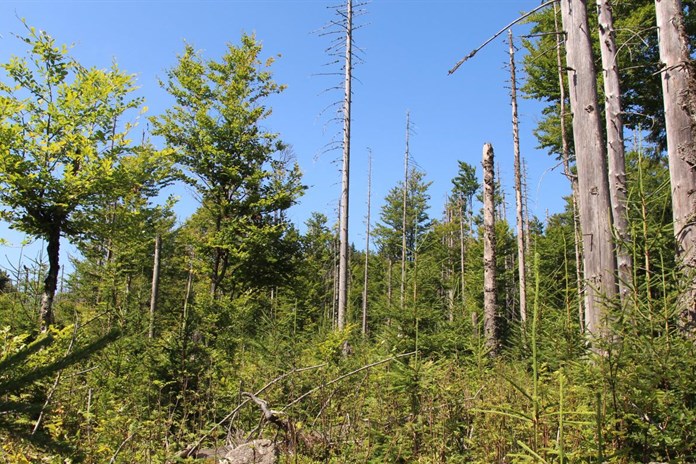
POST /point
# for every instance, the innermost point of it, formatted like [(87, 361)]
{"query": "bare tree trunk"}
[(403, 217), (448, 270), (390, 291), (591, 159), (462, 250), (46, 316), (367, 244), (678, 89), (155, 286), (345, 183), (573, 179), (489, 283), (615, 146), (521, 232)]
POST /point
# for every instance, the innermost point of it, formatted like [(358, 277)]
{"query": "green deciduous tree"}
[(214, 125), (64, 146)]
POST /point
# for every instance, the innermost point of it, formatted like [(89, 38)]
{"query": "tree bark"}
[(462, 251), (155, 286), (573, 179), (615, 146), (591, 160), (678, 89), (521, 232), (46, 316), (489, 258), (345, 181), (403, 217), (367, 245)]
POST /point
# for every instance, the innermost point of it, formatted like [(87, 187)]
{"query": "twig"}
[(118, 450), (54, 387), (491, 39), (338, 379), (187, 452)]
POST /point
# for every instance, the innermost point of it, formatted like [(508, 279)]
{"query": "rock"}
[(254, 452)]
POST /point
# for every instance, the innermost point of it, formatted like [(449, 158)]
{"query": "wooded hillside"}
[(448, 337)]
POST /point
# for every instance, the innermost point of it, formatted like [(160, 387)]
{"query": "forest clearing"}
[(160, 302)]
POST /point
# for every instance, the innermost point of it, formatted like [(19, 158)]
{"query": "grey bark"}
[(521, 232), (678, 89), (367, 245), (591, 160), (403, 217), (615, 146), (155, 285), (571, 177), (489, 261), (345, 181)]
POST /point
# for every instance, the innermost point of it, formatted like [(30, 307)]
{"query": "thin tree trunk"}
[(367, 244), (615, 146), (521, 232), (591, 159), (345, 182), (155, 286), (46, 316), (678, 89), (403, 217), (489, 259), (462, 250)]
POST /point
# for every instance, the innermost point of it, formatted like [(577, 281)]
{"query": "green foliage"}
[(247, 302), (215, 128)]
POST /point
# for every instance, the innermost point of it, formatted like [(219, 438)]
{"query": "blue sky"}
[(407, 47)]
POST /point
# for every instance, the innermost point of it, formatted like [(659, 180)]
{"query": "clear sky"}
[(407, 47)]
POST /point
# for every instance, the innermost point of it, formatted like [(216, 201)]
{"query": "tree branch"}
[(492, 38)]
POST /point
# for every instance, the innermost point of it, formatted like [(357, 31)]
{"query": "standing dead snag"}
[(489, 286), (615, 146), (591, 161), (521, 232), (367, 243), (345, 173), (678, 89)]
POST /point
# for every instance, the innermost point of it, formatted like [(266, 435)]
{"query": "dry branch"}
[(497, 34)]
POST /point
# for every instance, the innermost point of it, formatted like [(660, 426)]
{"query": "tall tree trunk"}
[(572, 178), (345, 181), (679, 93), (46, 316), (489, 259), (367, 244), (521, 232), (403, 216), (155, 285), (615, 146), (462, 250), (591, 159)]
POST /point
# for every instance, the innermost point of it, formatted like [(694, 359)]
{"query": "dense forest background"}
[(168, 337)]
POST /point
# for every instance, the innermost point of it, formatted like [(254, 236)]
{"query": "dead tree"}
[(591, 161), (679, 94), (572, 178), (615, 146), (521, 232), (155, 285), (489, 261), (367, 244), (404, 215), (345, 173)]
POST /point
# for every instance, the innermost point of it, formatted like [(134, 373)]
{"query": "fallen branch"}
[(491, 39), (269, 415), (191, 449), (338, 379)]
